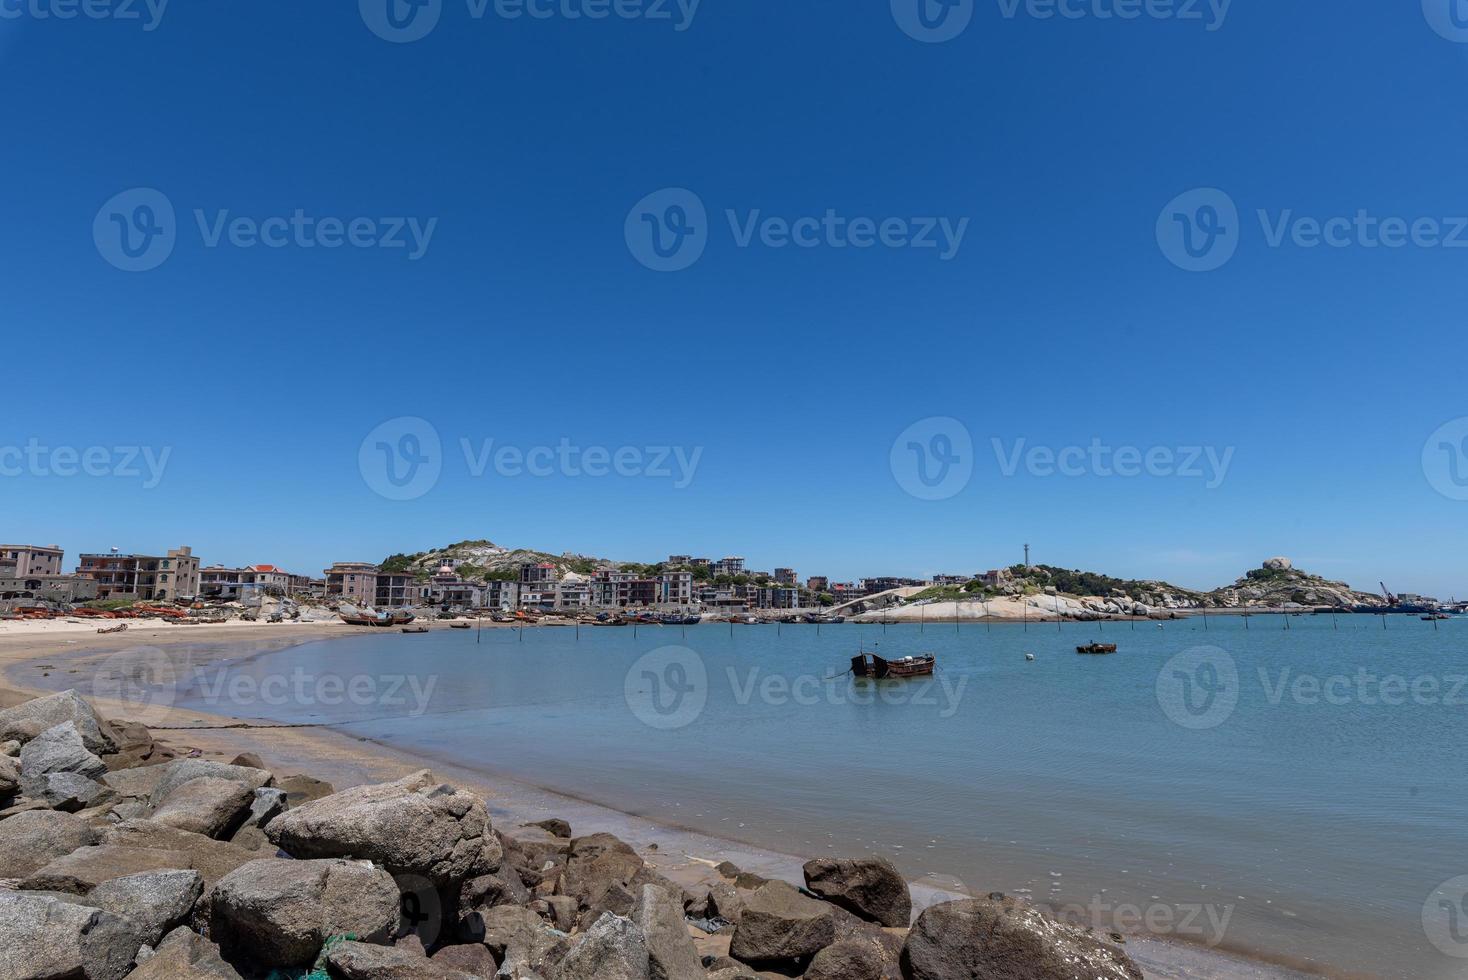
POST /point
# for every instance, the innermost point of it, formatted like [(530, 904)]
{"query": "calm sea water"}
[(1299, 793)]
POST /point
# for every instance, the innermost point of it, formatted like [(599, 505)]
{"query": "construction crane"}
[(1391, 600)]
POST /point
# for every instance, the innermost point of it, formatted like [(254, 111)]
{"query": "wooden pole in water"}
[(479, 637)]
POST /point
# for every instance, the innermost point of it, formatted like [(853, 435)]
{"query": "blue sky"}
[(535, 148)]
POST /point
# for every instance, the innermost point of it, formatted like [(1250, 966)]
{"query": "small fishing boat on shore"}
[(870, 665), (415, 629), (460, 626), (1097, 648), (353, 616)]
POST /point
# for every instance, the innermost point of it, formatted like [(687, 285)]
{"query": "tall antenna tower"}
[(1027, 556)]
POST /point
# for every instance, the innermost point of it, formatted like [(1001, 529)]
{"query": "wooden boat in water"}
[(870, 665), (460, 626), (1097, 648), (415, 629)]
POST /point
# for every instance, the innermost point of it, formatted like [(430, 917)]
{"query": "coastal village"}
[(481, 578)]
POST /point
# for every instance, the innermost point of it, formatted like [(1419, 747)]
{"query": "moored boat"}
[(1097, 648), (870, 665)]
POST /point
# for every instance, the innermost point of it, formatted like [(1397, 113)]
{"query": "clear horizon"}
[(1162, 296)]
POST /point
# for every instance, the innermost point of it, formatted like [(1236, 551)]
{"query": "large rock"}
[(9, 777), (987, 939), (175, 774), (416, 825), (605, 874), (472, 958), (514, 936), (45, 938), (613, 949), (185, 955), (848, 959), (135, 784), (23, 721), (504, 887), (779, 925), (205, 805), (155, 901), (82, 870), (359, 961), (301, 789), (870, 887), (211, 858), (279, 913), (60, 749), (65, 791), (267, 804), (31, 840), (670, 950)]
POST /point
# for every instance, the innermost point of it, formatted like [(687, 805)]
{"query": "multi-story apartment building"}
[(676, 588), (786, 576), (53, 588), (354, 581), (540, 574), (885, 582), (171, 576), (447, 589), (699, 563), (679, 561), (233, 583), (29, 560), (779, 597), (818, 583), (953, 579), (573, 594), (729, 566), (500, 594), (394, 590)]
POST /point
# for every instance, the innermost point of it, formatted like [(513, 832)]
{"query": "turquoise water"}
[(1246, 808)]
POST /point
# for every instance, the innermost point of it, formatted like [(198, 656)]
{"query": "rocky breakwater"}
[(138, 864)]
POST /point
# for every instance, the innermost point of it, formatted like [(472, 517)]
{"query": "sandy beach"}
[(29, 650)]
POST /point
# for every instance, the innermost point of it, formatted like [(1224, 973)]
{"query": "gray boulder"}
[(9, 777), (268, 803), (779, 926), (514, 936), (205, 805), (279, 913), (504, 887), (65, 791), (46, 938), (725, 902), (470, 957), (869, 887), (84, 869), (31, 840), (613, 949), (670, 950), (845, 960), (360, 961), (303, 789), (988, 939), (25, 720), (60, 749), (155, 901), (175, 774), (416, 825), (184, 955), (211, 858)]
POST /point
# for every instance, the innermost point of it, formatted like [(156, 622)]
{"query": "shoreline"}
[(684, 854)]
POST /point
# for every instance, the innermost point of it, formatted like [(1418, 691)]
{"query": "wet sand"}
[(684, 855)]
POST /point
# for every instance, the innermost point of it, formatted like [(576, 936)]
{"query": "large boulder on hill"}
[(211, 858), (26, 719), (205, 805), (31, 840), (184, 955), (60, 749), (360, 961), (869, 887), (43, 937), (155, 901), (279, 913), (780, 926), (613, 949), (416, 825), (85, 868), (175, 774), (1005, 939), (670, 951)]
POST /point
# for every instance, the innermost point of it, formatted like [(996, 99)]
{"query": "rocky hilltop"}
[(124, 859), (1278, 582), (483, 559)]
